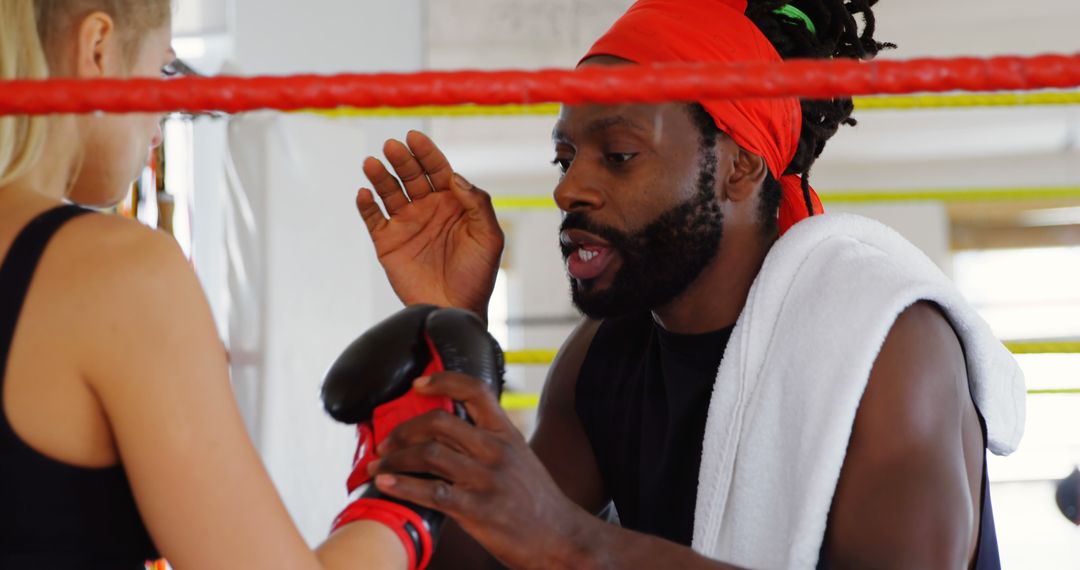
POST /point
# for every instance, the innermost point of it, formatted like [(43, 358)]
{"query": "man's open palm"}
[(441, 243)]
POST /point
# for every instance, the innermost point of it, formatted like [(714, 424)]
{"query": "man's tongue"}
[(588, 261)]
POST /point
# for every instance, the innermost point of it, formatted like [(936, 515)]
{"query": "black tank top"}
[(54, 515), (642, 397)]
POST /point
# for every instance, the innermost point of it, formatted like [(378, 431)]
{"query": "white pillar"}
[(319, 284)]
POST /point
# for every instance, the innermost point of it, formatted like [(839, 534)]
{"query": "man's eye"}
[(562, 163), (619, 158)]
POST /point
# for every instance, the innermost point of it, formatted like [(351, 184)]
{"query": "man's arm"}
[(559, 442), (910, 484)]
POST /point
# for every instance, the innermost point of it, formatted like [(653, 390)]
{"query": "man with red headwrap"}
[(675, 231)]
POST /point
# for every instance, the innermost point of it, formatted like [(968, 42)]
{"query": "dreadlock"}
[(838, 35)]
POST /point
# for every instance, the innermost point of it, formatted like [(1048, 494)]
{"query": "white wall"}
[(932, 28), (322, 285), (193, 18)]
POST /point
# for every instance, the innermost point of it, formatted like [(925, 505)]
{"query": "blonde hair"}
[(29, 31), (21, 57)]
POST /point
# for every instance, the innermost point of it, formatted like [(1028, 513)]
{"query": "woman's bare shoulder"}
[(107, 258), (116, 240), (120, 282)]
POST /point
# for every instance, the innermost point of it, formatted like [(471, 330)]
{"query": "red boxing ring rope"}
[(606, 85)]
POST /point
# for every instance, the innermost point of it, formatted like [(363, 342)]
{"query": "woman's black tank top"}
[(54, 515), (643, 397)]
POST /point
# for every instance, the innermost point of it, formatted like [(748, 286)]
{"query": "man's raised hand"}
[(442, 243)]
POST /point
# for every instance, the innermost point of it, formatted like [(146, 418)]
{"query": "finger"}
[(431, 493), (369, 211), (408, 169), (443, 428), (478, 398), (476, 202), (393, 196), (432, 458), (432, 160)]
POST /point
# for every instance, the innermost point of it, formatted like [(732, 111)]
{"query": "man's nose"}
[(578, 191)]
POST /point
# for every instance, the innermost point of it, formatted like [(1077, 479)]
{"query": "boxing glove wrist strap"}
[(406, 524)]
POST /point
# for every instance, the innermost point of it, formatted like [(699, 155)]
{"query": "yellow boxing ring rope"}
[(948, 195), (523, 402), (876, 103)]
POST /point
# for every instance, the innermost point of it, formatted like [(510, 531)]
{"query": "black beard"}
[(660, 261)]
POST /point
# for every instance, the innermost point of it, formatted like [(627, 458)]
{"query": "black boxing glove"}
[(370, 385)]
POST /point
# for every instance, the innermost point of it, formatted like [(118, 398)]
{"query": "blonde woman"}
[(108, 456)]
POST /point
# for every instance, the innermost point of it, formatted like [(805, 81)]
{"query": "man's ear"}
[(747, 176), (99, 51)]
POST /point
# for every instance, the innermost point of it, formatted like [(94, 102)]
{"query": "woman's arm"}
[(152, 356), (362, 545)]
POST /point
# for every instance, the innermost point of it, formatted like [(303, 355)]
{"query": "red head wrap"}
[(717, 31)]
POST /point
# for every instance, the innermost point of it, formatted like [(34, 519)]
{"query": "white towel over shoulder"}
[(794, 372)]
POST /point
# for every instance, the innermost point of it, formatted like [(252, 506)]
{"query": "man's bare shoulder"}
[(920, 373), (563, 374)]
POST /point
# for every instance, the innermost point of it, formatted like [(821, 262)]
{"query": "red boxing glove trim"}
[(399, 519), (388, 417), (365, 454), (392, 414)]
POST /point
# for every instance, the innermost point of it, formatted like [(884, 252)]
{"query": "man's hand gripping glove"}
[(370, 385)]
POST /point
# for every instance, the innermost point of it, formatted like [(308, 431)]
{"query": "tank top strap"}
[(987, 554), (18, 268)]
